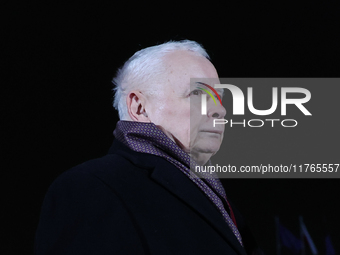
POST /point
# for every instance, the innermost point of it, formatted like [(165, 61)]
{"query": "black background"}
[(58, 62)]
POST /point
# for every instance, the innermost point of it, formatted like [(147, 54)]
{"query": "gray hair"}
[(143, 67)]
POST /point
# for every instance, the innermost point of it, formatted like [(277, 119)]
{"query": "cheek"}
[(196, 121), (180, 119), (177, 110), (160, 112)]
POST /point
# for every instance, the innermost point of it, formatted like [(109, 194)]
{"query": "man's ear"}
[(135, 102)]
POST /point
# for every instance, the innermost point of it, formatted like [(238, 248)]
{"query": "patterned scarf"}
[(148, 138)]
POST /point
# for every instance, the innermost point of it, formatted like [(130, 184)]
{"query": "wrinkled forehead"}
[(182, 66)]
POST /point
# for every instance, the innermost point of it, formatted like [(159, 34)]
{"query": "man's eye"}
[(196, 92)]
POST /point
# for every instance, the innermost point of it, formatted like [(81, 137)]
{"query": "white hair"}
[(140, 70)]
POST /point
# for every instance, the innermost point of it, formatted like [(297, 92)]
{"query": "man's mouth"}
[(214, 131)]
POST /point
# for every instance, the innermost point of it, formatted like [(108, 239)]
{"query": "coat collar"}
[(172, 179)]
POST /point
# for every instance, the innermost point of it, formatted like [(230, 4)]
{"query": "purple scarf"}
[(148, 138)]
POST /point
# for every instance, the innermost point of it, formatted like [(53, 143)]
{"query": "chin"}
[(206, 148), (211, 146)]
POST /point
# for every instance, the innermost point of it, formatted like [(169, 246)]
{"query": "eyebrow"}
[(217, 94)]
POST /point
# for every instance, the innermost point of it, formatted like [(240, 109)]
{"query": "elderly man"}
[(141, 198)]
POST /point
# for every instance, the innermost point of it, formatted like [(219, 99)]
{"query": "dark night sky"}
[(56, 96)]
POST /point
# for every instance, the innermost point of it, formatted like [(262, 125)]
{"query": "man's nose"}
[(217, 111)]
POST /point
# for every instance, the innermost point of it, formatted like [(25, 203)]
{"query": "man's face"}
[(169, 106)]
